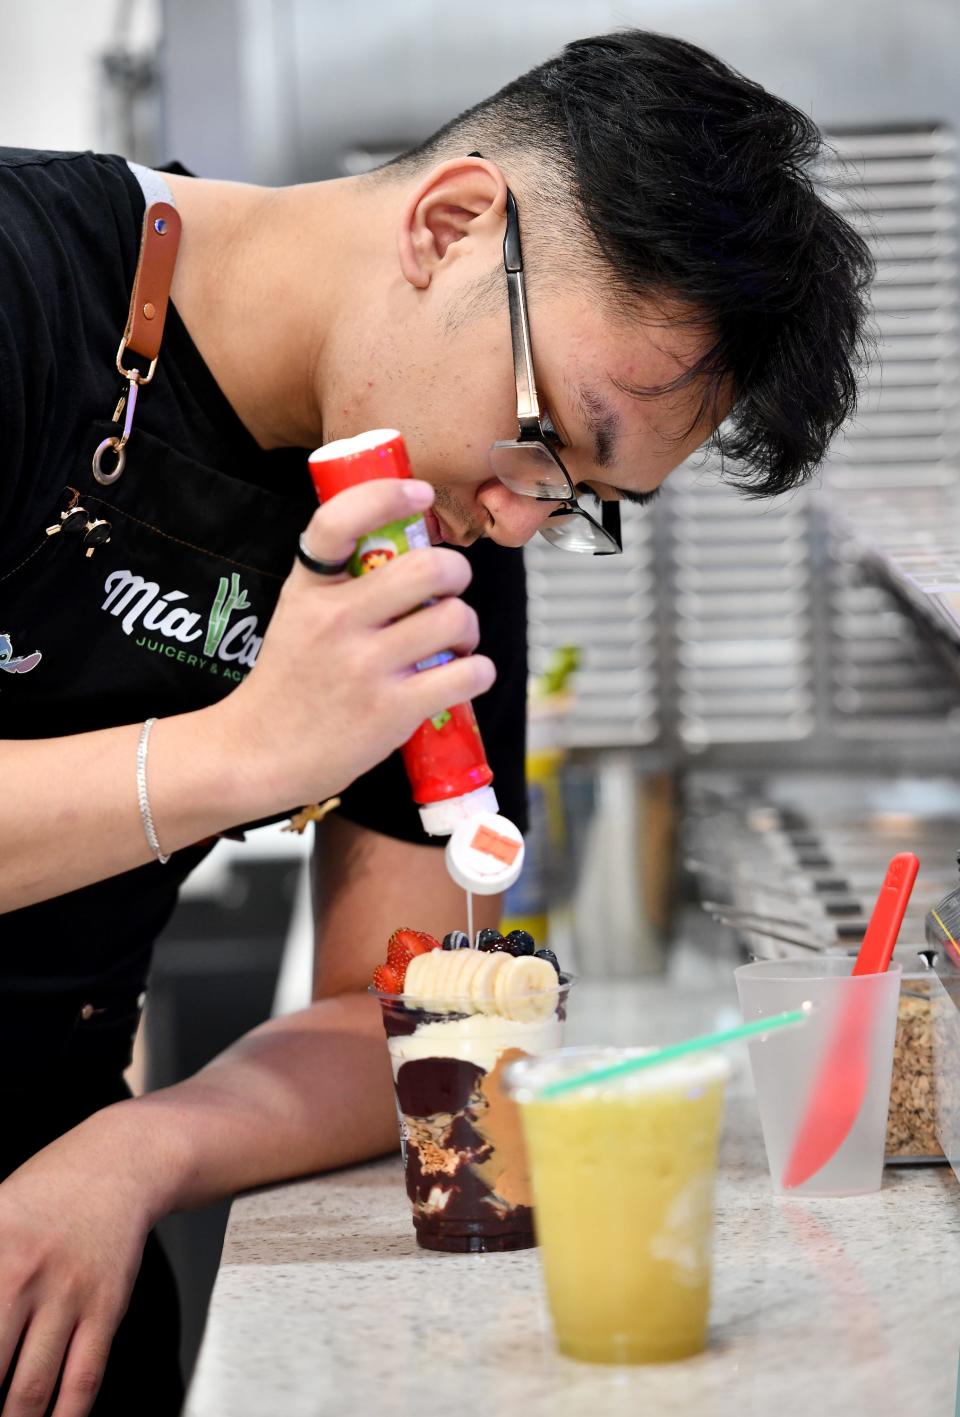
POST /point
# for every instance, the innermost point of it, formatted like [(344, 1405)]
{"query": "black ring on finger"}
[(318, 567)]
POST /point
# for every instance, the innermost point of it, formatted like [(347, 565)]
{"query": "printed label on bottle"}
[(386, 542)]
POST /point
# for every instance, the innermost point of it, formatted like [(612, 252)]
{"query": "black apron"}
[(165, 618)]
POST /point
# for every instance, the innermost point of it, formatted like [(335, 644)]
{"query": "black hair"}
[(697, 184)]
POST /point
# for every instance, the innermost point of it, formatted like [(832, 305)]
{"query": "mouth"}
[(441, 532), (435, 529)]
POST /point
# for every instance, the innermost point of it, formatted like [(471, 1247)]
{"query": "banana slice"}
[(416, 983), (475, 981), (443, 983), (527, 989), (466, 963), (483, 986), (457, 980)]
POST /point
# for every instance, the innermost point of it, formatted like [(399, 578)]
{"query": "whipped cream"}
[(478, 1039)]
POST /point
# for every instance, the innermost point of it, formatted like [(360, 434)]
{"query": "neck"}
[(255, 285)]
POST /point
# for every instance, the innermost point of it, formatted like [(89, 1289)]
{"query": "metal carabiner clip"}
[(118, 445)]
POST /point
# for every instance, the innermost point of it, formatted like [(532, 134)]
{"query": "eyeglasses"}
[(530, 464)]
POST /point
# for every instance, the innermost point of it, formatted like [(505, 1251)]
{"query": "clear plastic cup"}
[(623, 1181), (464, 1156), (811, 1081)]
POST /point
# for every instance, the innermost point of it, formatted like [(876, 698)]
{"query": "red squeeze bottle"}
[(445, 758)]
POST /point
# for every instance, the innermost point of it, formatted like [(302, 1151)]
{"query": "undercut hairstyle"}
[(685, 184)]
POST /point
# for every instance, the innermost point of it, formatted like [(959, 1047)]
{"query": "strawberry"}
[(405, 943), (426, 942), (387, 980)]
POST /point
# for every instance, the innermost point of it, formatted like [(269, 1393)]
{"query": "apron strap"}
[(151, 285), (143, 334), (154, 185)]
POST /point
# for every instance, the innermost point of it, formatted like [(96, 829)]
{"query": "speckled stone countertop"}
[(325, 1305)]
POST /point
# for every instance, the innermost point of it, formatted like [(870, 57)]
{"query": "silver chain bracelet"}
[(146, 816)]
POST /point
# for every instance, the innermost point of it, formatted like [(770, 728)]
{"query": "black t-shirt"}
[(70, 227)]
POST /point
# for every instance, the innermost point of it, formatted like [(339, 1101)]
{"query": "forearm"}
[(313, 1090), (307, 1092), (70, 813)]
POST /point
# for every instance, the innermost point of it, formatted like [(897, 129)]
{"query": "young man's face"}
[(442, 372)]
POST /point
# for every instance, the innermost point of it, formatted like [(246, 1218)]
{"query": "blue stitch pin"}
[(16, 664)]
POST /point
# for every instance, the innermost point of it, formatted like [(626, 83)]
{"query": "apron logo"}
[(140, 605), (225, 603), (16, 664)]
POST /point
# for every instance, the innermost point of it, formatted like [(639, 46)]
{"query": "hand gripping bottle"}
[(445, 758)]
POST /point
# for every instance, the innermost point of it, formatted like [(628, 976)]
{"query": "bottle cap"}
[(379, 453), (440, 818), (485, 853)]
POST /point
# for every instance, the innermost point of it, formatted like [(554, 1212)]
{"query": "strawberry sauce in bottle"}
[(445, 758)]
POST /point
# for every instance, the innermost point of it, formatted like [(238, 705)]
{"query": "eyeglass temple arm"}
[(610, 521), (528, 405)]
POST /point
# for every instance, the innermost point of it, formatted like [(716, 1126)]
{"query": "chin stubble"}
[(456, 516)]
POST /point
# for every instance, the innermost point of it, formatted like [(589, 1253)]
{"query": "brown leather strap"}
[(152, 282)]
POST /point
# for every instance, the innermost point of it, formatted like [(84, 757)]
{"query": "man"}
[(682, 282)]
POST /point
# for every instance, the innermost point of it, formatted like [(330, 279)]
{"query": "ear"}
[(464, 198)]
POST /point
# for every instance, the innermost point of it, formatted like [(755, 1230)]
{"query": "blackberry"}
[(550, 957), (521, 942), (488, 939)]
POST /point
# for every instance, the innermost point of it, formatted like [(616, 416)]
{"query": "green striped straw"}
[(790, 1019)]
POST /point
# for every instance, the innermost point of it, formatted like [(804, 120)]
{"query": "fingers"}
[(446, 625), (14, 1322), (408, 582), (335, 528), (38, 1365), (83, 1370), (433, 690)]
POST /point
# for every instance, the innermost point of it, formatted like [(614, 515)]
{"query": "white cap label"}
[(485, 853)]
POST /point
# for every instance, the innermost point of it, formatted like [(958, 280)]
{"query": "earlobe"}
[(457, 199), (414, 259)]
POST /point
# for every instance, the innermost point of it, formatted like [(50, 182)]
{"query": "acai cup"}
[(462, 1017)]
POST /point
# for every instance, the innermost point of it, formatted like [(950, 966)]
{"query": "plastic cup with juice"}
[(623, 1180)]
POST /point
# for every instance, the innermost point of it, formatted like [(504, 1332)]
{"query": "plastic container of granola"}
[(928, 1024), (945, 1028)]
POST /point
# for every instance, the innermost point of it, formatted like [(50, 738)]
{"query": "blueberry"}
[(550, 957), (521, 943), (488, 939), (456, 940), (502, 947)]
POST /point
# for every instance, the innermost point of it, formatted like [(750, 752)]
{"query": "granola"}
[(912, 1119)]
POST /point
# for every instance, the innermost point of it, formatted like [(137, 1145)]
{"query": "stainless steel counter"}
[(325, 1305)]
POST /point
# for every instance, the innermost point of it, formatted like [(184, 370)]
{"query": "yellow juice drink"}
[(623, 1179)]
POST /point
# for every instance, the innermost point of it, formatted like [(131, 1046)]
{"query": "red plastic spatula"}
[(842, 1078)]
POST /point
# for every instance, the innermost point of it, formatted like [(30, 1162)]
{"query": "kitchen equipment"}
[(766, 927), (941, 925), (842, 1079)]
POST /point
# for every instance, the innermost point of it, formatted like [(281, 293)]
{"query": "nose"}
[(514, 520)]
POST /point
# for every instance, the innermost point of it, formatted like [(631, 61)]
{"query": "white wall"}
[(49, 76)]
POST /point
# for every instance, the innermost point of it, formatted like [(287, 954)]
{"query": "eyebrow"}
[(605, 425), (602, 422)]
